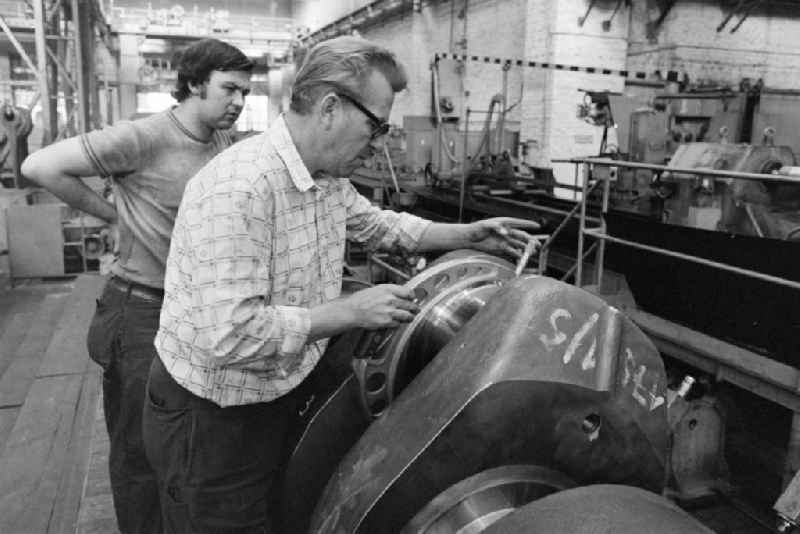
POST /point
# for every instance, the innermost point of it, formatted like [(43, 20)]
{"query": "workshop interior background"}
[(670, 126)]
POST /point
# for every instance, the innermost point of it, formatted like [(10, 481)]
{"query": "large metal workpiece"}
[(443, 428)]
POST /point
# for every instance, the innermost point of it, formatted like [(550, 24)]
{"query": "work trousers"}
[(120, 340), (217, 467)]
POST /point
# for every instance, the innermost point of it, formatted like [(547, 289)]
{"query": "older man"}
[(253, 286)]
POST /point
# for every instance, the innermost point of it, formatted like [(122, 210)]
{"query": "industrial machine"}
[(713, 130), (15, 126), (501, 391), (745, 207)]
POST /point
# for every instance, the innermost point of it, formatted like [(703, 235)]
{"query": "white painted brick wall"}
[(417, 37), (552, 97), (765, 45)]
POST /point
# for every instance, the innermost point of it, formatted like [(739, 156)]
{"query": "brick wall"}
[(550, 124), (417, 36), (765, 45)]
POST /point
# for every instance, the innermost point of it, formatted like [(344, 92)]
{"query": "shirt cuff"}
[(296, 328), (409, 231)]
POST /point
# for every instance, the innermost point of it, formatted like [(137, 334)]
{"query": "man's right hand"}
[(382, 306)]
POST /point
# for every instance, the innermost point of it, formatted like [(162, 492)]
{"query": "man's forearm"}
[(73, 191), (330, 319), (441, 236)]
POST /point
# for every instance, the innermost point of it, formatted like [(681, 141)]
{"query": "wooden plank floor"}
[(96, 515), (49, 400)]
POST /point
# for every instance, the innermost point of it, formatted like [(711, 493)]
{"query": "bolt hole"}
[(420, 294), (441, 281), (375, 382), (591, 423), (692, 424)]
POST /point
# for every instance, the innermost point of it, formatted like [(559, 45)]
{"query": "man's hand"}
[(382, 306), (502, 235)]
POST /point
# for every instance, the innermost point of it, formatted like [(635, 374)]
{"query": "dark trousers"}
[(217, 468), (120, 340)]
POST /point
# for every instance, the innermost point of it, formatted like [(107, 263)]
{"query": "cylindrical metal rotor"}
[(471, 505)]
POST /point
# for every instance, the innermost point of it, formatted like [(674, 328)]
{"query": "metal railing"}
[(600, 232)]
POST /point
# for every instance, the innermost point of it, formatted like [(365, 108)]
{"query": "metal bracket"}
[(746, 13), (652, 27), (582, 20), (607, 23)]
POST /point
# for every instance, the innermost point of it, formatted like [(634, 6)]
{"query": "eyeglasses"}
[(380, 127)]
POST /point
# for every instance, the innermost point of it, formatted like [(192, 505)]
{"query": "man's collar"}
[(282, 141)]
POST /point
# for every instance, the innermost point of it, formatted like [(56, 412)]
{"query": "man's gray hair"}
[(343, 64)]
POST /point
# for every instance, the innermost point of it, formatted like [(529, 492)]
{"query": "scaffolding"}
[(55, 40)]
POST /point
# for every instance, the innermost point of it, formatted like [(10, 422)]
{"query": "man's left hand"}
[(502, 235)]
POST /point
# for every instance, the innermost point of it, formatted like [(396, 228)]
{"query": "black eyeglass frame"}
[(381, 127)]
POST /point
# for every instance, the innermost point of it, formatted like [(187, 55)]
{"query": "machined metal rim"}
[(471, 505), (465, 281)]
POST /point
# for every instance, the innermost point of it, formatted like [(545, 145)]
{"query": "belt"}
[(141, 291)]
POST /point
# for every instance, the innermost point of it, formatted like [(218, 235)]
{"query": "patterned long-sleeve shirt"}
[(257, 243)]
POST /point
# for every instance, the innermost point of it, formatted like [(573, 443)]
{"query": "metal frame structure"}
[(63, 36)]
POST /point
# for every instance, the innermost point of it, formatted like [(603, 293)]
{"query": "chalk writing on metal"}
[(558, 336), (578, 338), (634, 374)]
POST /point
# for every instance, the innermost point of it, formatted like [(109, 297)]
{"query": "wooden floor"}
[(53, 477)]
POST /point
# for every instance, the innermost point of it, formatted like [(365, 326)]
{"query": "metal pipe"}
[(597, 233), (437, 139), (83, 95), (729, 16), (62, 69), (531, 205), (464, 169), (41, 60), (389, 268), (750, 215), (601, 250), (683, 170), (546, 245), (575, 265), (53, 10), (582, 226), (21, 51), (501, 116), (575, 185), (20, 83)]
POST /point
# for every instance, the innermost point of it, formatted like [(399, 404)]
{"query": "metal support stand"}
[(582, 20), (601, 248), (582, 226), (464, 170), (49, 123)]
